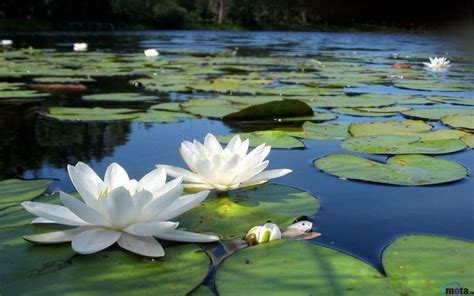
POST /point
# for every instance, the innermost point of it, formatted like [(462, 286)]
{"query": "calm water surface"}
[(356, 217)]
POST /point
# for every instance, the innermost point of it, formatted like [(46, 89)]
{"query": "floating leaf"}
[(161, 116), (14, 191), (407, 170), (274, 138), (90, 114), (48, 87), (437, 113), (431, 85), (232, 215), (12, 94), (427, 265), (119, 97), (298, 268), (468, 139), (172, 106), (401, 144), (357, 112), (213, 108), (464, 122), (62, 79), (54, 269), (453, 100), (350, 101), (389, 127), (271, 110), (331, 130)]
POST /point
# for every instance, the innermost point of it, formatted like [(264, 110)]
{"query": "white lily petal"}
[(141, 199), (88, 172), (86, 187), (160, 203), (234, 144), (212, 144), (182, 204), (94, 240), (150, 228), (55, 213), (175, 172), (41, 221), (266, 175), (115, 176), (119, 207), (153, 180), (185, 236), (79, 208), (56, 237), (198, 186), (141, 245), (173, 185)]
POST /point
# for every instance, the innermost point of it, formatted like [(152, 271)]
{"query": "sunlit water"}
[(356, 217)]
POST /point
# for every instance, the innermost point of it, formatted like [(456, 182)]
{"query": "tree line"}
[(243, 14)]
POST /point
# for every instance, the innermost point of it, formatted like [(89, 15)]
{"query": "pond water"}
[(356, 217)]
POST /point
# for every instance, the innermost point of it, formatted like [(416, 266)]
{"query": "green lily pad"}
[(298, 268), (14, 94), (468, 139), (317, 116), (232, 215), (252, 100), (232, 85), (161, 116), (387, 109), (406, 170), (61, 79), (427, 265), (453, 100), (213, 108), (437, 113), (358, 112), (459, 121), (14, 191), (350, 101), (271, 110), (431, 85), (172, 106), (335, 131), (90, 114), (274, 138), (119, 97), (401, 144), (389, 127), (54, 270), (10, 85)]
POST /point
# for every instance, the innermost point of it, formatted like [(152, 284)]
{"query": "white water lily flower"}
[(263, 234), (151, 52), (120, 210), (437, 63), (7, 42), (223, 169), (80, 46)]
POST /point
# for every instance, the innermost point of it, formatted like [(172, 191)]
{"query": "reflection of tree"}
[(29, 143)]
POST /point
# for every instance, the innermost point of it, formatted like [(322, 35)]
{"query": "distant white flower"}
[(303, 226), (213, 167), (7, 42), (151, 52), (120, 210), (80, 46), (437, 63), (263, 234)]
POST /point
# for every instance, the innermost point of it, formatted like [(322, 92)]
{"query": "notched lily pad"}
[(298, 268), (338, 130), (161, 116), (389, 127), (119, 97), (437, 113), (406, 170), (232, 215), (15, 191), (459, 121), (90, 114)]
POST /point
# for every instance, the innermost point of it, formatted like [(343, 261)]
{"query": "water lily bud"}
[(263, 234), (80, 46), (151, 52)]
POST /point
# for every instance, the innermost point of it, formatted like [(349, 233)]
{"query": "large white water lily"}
[(263, 234), (6, 42), (437, 63), (117, 209), (223, 169), (151, 52), (80, 46)]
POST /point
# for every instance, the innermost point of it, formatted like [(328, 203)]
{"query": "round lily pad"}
[(337, 130), (61, 79), (437, 113), (407, 170), (54, 270), (361, 113), (13, 94), (274, 138), (90, 114), (119, 97), (232, 215), (468, 139), (401, 144), (453, 100), (460, 121), (14, 191), (172, 106), (349, 101), (431, 85), (429, 265), (298, 268), (389, 127), (274, 109), (213, 108)]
